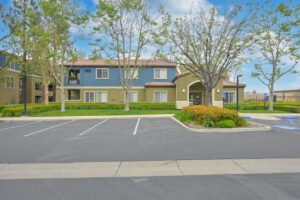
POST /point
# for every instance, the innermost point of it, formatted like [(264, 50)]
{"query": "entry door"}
[(195, 98)]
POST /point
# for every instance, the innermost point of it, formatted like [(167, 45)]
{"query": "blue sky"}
[(179, 7)]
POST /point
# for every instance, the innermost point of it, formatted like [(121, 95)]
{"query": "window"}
[(20, 83), (229, 97), (89, 97), (11, 65), (102, 73), (38, 86), (160, 73), (130, 73), (133, 97), (102, 97), (73, 95), (10, 82), (38, 99), (160, 96), (50, 88)]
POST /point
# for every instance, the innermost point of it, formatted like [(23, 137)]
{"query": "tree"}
[(59, 16), (277, 41), (208, 44), (129, 26)]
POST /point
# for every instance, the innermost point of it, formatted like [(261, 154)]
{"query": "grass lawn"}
[(262, 111), (92, 112)]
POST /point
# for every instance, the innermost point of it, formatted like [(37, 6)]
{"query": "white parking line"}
[(136, 126), (84, 132), (3, 129), (45, 129)]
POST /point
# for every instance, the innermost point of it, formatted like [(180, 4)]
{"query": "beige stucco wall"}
[(30, 87), (9, 95)]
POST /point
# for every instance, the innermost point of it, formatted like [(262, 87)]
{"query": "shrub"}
[(1, 108), (183, 117), (244, 122), (215, 114), (208, 123), (225, 124), (32, 109)]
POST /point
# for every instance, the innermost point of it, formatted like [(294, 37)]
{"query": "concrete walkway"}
[(269, 116), (148, 168)]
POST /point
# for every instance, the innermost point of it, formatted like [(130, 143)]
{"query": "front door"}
[(195, 98)]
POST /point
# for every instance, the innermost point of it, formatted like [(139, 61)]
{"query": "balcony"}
[(74, 77), (73, 81)]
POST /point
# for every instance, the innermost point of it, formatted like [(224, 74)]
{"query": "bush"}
[(208, 123), (244, 122), (215, 114), (183, 117), (38, 108), (1, 108), (225, 124)]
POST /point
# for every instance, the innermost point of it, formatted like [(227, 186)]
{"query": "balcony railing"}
[(74, 82)]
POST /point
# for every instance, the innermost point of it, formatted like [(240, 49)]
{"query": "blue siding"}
[(145, 76)]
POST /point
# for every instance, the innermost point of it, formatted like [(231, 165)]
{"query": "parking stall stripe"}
[(92, 127), (19, 126), (45, 129), (136, 126)]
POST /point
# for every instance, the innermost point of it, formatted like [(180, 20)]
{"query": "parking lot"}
[(145, 139)]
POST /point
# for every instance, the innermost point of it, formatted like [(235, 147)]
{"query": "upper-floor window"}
[(160, 73), (38, 86), (131, 73), (102, 73), (10, 82), (11, 65)]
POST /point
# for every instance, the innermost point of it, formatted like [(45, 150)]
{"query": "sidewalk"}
[(269, 116), (148, 168)]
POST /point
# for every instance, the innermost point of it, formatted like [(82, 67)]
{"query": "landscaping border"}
[(222, 130)]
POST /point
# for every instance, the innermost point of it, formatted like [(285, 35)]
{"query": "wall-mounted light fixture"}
[(218, 90), (183, 90)]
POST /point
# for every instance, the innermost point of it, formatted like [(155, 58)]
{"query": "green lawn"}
[(91, 112), (262, 111)]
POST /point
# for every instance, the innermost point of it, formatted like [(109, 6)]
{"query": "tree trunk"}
[(271, 97), (208, 99), (46, 91), (62, 91), (127, 99)]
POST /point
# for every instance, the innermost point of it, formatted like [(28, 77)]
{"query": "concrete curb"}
[(223, 130), (85, 117)]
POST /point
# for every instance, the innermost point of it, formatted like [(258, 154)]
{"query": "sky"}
[(179, 8)]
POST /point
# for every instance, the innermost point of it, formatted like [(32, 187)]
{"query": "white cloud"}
[(295, 84), (181, 7)]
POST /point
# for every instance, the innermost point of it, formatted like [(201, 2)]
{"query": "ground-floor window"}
[(229, 97), (89, 97), (133, 97), (73, 95), (102, 97), (38, 99), (160, 96)]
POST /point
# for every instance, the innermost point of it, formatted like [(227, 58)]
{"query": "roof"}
[(232, 84), (279, 91), (106, 62), (159, 84)]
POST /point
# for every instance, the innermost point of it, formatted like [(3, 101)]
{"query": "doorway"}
[(195, 98)]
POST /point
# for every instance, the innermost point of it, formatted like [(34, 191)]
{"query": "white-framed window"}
[(10, 82), (20, 84), (12, 65), (132, 73), (160, 73), (102, 73), (160, 96), (229, 97), (89, 96), (102, 97), (133, 97)]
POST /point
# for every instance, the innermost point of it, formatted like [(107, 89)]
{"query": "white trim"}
[(33, 75), (13, 70), (160, 78), (102, 69)]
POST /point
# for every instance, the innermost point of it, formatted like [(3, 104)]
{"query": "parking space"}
[(136, 140)]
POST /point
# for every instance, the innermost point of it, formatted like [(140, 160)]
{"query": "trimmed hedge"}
[(201, 114), (33, 109), (280, 106), (1, 108)]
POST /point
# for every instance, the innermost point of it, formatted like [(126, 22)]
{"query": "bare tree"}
[(277, 44), (128, 26), (208, 44)]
